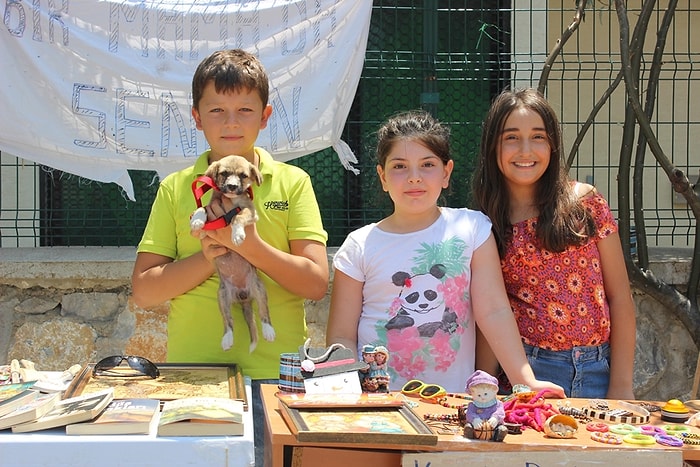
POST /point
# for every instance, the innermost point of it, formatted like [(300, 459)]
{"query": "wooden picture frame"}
[(176, 381), (360, 425)]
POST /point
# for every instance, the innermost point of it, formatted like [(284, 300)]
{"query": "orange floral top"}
[(558, 298)]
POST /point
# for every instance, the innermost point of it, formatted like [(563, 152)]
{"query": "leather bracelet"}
[(640, 414)]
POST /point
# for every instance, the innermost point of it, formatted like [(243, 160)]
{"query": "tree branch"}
[(568, 32)]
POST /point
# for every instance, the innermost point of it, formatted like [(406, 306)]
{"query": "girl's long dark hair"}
[(563, 220)]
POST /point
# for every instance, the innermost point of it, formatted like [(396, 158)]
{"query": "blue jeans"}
[(582, 371), (259, 419)]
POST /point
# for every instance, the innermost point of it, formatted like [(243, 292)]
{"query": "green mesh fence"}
[(449, 57)]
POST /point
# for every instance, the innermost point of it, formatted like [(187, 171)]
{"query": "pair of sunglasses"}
[(143, 367), (425, 391)]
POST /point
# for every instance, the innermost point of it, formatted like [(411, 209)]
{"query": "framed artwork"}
[(176, 381), (361, 425)]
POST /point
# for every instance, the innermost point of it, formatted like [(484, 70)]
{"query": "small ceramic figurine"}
[(378, 370), (485, 413), (376, 377), (367, 357)]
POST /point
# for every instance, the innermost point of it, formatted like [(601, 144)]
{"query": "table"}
[(282, 448), (53, 448)]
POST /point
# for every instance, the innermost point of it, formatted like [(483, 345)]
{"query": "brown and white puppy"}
[(238, 279)]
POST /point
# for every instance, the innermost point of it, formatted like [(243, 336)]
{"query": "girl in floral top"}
[(419, 280), (560, 252)]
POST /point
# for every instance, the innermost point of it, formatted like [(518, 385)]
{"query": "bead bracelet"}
[(606, 437), (638, 438), (676, 429), (652, 430), (624, 429), (690, 438), (668, 440), (597, 426), (441, 417)]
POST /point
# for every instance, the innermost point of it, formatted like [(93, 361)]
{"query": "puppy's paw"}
[(227, 340), (197, 221), (237, 234), (268, 332)]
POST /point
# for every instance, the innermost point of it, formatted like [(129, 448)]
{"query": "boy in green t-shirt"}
[(287, 245)]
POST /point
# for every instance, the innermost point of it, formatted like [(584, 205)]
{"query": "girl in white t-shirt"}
[(421, 279)]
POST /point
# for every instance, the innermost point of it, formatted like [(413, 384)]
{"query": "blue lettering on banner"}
[(120, 114), (155, 24), (15, 20), (285, 115), (101, 117), (188, 142)]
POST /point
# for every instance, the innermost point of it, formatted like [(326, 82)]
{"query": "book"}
[(14, 395), (72, 410), (121, 417), (30, 411), (201, 416)]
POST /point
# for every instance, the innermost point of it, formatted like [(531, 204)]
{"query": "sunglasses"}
[(143, 366), (425, 391)]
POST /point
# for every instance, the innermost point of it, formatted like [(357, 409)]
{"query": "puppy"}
[(238, 279)]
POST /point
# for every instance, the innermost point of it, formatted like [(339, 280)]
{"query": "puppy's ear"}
[(212, 170), (256, 175)]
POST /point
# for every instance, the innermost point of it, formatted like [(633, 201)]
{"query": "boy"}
[(288, 244)]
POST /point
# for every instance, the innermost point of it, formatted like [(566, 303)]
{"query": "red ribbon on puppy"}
[(199, 190)]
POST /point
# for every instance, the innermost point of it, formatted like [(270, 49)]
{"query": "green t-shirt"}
[(287, 210)]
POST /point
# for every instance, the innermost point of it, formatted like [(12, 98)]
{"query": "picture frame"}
[(176, 381), (358, 425)]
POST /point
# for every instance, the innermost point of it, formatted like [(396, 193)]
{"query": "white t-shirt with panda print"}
[(416, 298)]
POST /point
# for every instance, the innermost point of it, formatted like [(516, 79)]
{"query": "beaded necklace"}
[(443, 400)]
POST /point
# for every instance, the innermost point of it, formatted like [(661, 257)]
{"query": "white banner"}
[(98, 87)]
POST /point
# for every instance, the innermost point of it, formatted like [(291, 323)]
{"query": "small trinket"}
[(485, 414), (560, 426), (675, 411), (513, 428)]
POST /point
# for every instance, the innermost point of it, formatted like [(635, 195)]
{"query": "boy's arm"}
[(157, 278), (303, 271)]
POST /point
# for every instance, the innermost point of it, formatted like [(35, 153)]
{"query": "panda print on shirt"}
[(422, 303), (431, 311)]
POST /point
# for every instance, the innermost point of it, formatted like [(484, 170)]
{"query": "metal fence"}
[(450, 57)]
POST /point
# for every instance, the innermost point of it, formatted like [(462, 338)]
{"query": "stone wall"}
[(61, 306)]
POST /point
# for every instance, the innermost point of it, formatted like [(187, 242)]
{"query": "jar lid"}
[(675, 406)]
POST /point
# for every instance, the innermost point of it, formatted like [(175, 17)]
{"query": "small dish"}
[(560, 426)]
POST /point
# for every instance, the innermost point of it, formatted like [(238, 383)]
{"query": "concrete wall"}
[(61, 306)]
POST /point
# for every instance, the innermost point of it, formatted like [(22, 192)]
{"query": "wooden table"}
[(282, 448)]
